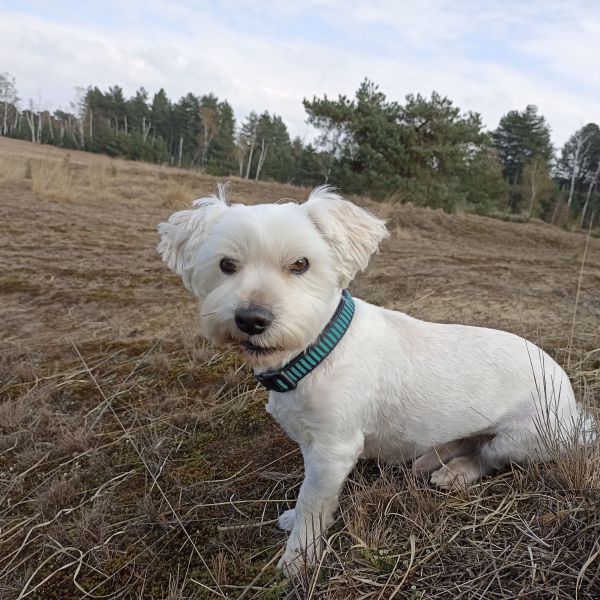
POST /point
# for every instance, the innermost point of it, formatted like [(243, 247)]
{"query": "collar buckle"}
[(276, 381)]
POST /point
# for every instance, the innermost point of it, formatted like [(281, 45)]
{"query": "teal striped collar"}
[(287, 378)]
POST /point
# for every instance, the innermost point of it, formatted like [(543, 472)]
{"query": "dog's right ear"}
[(185, 232)]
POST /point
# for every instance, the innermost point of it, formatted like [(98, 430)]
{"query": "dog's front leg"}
[(326, 466)]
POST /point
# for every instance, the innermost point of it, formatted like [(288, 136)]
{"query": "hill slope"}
[(110, 405)]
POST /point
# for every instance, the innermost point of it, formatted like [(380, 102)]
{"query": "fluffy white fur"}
[(458, 401)]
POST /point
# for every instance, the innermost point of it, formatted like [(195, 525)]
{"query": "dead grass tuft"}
[(56, 495), (178, 196), (11, 170), (53, 180)]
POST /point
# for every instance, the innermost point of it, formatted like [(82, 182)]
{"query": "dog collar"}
[(287, 378)]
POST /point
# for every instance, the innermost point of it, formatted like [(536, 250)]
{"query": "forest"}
[(423, 150)]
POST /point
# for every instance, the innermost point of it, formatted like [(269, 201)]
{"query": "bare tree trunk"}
[(31, 123), (180, 151), (5, 121), (50, 126), (91, 118), (125, 122), (261, 158), (250, 157), (533, 190), (81, 133), (240, 155), (509, 199), (145, 129), (575, 171), (591, 187)]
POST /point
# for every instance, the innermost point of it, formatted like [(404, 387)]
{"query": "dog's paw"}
[(287, 519), (426, 463), (293, 563), (299, 555), (458, 473), (445, 479)]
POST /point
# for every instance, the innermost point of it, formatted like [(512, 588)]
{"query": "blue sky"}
[(489, 56)]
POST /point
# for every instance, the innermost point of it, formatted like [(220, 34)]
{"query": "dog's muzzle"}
[(254, 319)]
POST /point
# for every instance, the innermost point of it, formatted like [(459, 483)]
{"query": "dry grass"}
[(100, 173), (177, 196), (11, 170), (138, 462), (52, 180)]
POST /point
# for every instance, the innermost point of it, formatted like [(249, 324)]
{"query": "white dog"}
[(350, 380)]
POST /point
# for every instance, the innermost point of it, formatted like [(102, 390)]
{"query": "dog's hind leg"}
[(460, 471), (438, 455), (524, 442), (520, 443), (442, 454)]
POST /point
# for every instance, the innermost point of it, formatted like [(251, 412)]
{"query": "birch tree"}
[(249, 135), (536, 184), (82, 113), (240, 153), (8, 100), (592, 185), (145, 128), (30, 115), (262, 157), (209, 120), (577, 168), (577, 157)]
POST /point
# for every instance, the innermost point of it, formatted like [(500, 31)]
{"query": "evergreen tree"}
[(520, 136), (138, 113), (221, 155), (426, 151), (160, 115), (309, 166)]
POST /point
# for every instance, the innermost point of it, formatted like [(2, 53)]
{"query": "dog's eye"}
[(299, 267), (228, 266)]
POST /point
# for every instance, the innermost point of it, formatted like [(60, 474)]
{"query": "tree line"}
[(424, 150)]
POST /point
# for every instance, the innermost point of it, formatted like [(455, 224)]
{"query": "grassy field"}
[(138, 462)]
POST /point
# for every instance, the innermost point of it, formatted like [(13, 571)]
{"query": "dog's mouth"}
[(256, 350)]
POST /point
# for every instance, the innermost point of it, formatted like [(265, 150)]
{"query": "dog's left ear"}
[(353, 233)]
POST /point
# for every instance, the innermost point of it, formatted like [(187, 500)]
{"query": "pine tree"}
[(519, 137)]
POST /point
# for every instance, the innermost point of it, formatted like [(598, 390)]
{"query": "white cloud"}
[(268, 56)]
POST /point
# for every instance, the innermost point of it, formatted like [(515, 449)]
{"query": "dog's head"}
[(269, 276)]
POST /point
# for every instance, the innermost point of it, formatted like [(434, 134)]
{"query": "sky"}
[(485, 55)]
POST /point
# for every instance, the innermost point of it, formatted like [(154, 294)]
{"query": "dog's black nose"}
[(254, 319)]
